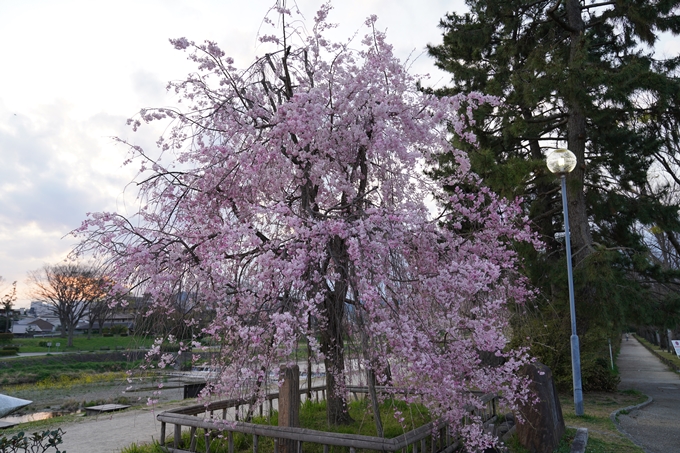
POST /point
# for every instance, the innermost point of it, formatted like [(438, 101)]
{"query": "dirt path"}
[(654, 427)]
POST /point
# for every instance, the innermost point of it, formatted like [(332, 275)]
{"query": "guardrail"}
[(433, 437)]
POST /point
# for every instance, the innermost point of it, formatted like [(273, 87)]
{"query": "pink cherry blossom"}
[(292, 201)]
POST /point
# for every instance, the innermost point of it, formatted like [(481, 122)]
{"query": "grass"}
[(81, 343), (313, 416), (68, 380), (62, 368), (564, 446), (603, 437)]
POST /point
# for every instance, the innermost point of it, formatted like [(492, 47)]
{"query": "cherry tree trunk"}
[(332, 341), (334, 359)]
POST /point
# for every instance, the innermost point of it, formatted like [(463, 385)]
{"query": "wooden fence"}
[(433, 437)]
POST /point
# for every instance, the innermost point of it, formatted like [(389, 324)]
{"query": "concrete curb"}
[(580, 441), (613, 417)]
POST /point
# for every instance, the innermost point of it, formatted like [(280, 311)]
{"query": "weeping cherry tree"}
[(292, 199)]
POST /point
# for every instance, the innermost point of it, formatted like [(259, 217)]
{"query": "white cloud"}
[(75, 70)]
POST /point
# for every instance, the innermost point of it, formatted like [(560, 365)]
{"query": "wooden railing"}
[(433, 437)]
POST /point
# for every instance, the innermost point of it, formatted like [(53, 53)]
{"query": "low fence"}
[(433, 437)]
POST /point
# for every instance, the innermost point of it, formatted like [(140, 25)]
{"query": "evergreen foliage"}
[(582, 75)]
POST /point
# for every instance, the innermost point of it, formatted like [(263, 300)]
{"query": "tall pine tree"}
[(580, 74)]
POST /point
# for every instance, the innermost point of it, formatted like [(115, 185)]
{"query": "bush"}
[(7, 352), (167, 347), (14, 347), (598, 376), (119, 329), (107, 335), (35, 442), (6, 337)]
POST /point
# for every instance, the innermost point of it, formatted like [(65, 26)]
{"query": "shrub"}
[(6, 337), (167, 347), (598, 376), (35, 442), (7, 352)]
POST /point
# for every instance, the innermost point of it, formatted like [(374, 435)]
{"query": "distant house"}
[(32, 326), (41, 309), (116, 319)]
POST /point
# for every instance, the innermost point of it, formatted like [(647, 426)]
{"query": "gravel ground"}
[(109, 432), (654, 427)]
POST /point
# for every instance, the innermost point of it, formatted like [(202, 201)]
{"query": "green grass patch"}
[(155, 447), (564, 446), (603, 437), (81, 343), (56, 368), (313, 416)]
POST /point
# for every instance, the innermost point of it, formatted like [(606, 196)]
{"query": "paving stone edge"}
[(580, 441), (613, 417)]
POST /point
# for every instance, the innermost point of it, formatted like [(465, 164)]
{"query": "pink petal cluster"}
[(302, 180)]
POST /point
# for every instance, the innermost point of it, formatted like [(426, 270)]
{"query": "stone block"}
[(542, 426)]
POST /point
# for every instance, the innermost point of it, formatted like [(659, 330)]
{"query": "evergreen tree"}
[(580, 74)]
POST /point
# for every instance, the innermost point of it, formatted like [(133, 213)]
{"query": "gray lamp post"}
[(561, 162)]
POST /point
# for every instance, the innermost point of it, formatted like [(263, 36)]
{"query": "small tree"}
[(70, 289), (294, 205), (7, 302), (98, 312)]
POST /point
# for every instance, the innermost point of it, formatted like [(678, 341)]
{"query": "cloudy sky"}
[(74, 70)]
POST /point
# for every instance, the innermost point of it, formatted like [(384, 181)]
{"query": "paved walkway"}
[(655, 427), (109, 433)]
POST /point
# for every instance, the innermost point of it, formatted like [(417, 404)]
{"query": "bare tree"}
[(70, 289), (99, 311)]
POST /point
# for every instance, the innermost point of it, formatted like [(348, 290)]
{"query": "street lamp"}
[(561, 162)]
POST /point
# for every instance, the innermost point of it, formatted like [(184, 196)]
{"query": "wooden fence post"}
[(289, 405)]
